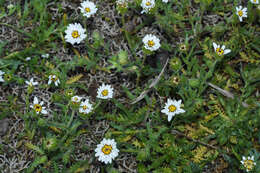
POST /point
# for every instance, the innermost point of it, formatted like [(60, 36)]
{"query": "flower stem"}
[(71, 118)]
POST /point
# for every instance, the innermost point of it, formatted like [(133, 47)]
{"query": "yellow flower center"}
[(75, 34), (175, 80), (30, 84), (249, 164), (220, 51), (76, 99), (148, 3), (84, 107), (183, 47), (104, 92), (54, 78), (240, 13), (150, 43), (106, 149), (37, 107), (172, 108), (87, 9), (8, 77)]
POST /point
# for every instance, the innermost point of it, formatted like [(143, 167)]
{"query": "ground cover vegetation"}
[(129, 86)]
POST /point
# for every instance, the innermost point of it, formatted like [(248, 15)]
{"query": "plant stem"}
[(71, 118)]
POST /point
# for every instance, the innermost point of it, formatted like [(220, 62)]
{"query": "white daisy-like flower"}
[(147, 5), (37, 106), (254, 1), (151, 42), (88, 8), (75, 33), (171, 108), (122, 3), (45, 55), (31, 83), (76, 99), (105, 92), (85, 107), (241, 12), (220, 50), (106, 151), (248, 163), (1, 76), (53, 78), (165, 1)]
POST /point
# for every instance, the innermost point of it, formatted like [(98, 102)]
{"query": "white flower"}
[(85, 107), (241, 12), (151, 42), (105, 92), (147, 5), (88, 8), (165, 1), (31, 83), (248, 163), (45, 55), (254, 1), (76, 99), (10, 6), (122, 3), (221, 51), (1, 76), (171, 108), (38, 106), (75, 33), (106, 151), (55, 79), (28, 58)]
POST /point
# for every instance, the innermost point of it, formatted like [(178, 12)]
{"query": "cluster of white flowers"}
[(75, 33), (107, 150)]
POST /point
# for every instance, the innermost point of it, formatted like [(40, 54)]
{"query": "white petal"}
[(44, 111), (215, 46), (226, 51), (169, 118), (35, 100), (181, 111)]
